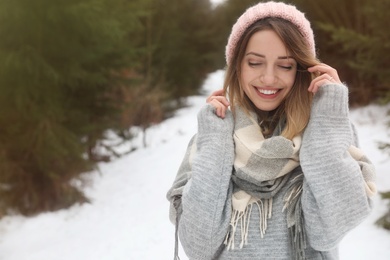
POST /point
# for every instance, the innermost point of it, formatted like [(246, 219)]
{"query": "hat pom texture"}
[(264, 10)]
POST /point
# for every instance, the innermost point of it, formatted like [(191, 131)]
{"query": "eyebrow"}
[(263, 56)]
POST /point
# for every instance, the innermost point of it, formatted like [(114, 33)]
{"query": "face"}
[(267, 70)]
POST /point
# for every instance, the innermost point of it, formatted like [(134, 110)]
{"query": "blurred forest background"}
[(73, 71)]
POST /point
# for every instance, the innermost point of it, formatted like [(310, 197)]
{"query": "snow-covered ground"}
[(128, 216)]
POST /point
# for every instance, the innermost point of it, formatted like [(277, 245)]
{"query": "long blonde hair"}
[(295, 109)]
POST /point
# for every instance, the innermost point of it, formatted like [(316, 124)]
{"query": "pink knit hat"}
[(264, 10)]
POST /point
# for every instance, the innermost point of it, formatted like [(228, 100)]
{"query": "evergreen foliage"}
[(353, 37), (179, 42), (56, 96), (72, 70)]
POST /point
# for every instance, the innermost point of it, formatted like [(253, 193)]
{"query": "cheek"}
[(248, 75), (289, 80)]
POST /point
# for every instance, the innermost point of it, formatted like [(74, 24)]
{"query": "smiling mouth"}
[(268, 92)]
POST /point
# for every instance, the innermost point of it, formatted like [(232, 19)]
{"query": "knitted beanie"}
[(264, 10)]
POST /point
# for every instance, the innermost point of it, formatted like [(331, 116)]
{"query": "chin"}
[(266, 108)]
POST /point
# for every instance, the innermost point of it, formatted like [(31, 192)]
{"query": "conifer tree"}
[(352, 36), (58, 95), (179, 40)]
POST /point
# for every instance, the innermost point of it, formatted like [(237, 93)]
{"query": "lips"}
[(267, 93)]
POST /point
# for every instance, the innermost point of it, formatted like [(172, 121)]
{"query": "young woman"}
[(279, 174)]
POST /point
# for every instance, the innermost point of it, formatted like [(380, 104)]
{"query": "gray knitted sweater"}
[(333, 199)]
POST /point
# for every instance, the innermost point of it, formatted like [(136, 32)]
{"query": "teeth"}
[(267, 91)]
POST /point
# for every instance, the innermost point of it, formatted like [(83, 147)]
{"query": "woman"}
[(279, 175)]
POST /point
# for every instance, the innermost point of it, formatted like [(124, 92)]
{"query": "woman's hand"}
[(327, 75), (219, 102)]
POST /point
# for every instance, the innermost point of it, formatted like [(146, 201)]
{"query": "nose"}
[(268, 77)]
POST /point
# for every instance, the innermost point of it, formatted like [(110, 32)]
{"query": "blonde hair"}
[(295, 109)]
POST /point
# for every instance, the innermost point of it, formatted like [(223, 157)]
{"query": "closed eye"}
[(286, 67), (253, 64)]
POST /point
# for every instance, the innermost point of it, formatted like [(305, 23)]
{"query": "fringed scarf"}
[(262, 167)]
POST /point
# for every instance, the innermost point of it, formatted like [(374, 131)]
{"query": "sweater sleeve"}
[(206, 203), (334, 199)]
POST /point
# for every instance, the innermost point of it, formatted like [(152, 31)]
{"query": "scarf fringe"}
[(295, 221), (243, 219), (243, 204), (298, 241)]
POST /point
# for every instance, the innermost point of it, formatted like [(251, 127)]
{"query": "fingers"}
[(328, 75), (214, 94), (219, 102), (221, 99), (220, 108), (318, 82)]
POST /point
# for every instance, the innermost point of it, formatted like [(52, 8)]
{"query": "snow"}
[(128, 215), (217, 2)]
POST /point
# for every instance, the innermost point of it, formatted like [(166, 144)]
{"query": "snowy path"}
[(128, 216)]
